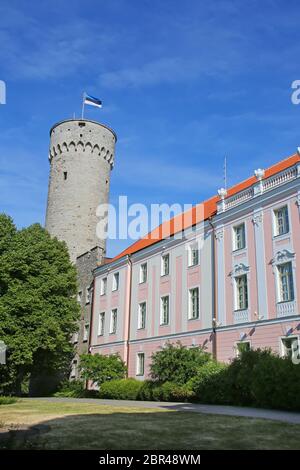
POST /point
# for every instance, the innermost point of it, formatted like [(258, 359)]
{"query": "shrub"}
[(7, 400), (168, 391), (100, 368), (276, 383), (124, 389), (176, 363), (256, 378), (75, 389), (210, 384)]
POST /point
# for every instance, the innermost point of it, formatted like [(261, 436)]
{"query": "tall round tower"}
[(81, 158)]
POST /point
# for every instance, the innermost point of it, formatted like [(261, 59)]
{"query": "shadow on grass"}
[(151, 430)]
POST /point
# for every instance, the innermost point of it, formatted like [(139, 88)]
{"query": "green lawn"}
[(45, 425)]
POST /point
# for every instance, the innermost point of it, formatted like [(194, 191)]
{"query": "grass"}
[(59, 425)]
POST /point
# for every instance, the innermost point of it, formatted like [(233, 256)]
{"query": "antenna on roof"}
[(225, 172)]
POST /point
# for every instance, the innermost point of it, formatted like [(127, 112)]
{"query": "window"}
[(241, 292), (115, 285), (193, 255), (101, 324), (113, 321), (239, 237), (75, 337), (142, 316), (79, 296), (290, 346), (285, 281), (194, 303), (281, 221), (140, 365), (87, 295), (165, 264), (65, 175), (103, 286), (164, 310), (86, 332), (143, 273), (242, 346), (73, 369)]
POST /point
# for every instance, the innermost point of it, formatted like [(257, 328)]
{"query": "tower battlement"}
[(81, 157)]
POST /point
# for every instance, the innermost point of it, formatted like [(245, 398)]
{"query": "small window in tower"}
[(65, 175), (81, 124)]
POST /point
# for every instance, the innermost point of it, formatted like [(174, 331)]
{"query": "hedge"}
[(124, 389), (257, 378), (167, 391)]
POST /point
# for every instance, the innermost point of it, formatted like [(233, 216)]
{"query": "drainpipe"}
[(128, 312), (91, 324), (214, 299)]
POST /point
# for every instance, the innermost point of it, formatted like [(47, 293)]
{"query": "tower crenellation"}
[(81, 157)]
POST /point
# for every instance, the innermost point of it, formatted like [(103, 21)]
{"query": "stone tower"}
[(81, 158)]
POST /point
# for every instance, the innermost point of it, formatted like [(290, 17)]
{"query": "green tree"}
[(100, 368), (38, 307), (176, 363)]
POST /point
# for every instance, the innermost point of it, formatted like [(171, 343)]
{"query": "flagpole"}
[(83, 100)]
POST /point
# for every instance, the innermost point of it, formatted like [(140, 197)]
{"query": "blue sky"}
[(183, 84)]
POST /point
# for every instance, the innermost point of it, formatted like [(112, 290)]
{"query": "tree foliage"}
[(176, 363), (100, 368), (38, 307)]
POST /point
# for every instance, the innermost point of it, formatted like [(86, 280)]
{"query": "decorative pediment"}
[(239, 269), (283, 256)]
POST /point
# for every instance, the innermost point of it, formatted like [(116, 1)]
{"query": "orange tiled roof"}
[(193, 216)]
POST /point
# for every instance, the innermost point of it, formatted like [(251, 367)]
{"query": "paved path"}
[(275, 415)]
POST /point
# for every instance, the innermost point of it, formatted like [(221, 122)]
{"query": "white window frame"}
[(142, 315), (101, 324), (286, 221), (143, 273), (164, 271), (86, 330), (140, 364), (291, 288), (237, 300), (162, 313), (282, 347), (194, 247), (237, 352), (113, 321), (76, 337), (88, 292), (103, 286), (190, 305), (116, 281), (73, 369), (236, 247)]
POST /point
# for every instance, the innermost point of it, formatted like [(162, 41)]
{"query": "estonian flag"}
[(88, 99)]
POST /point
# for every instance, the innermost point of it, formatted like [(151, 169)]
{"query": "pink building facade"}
[(231, 282)]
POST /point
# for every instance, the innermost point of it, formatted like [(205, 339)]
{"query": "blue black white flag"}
[(91, 100)]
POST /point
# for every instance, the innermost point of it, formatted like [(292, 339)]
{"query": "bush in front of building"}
[(100, 368), (257, 378), (75, 389), (124, 389), (168, 391), (177, 363), (211, 384), (276, 383)]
